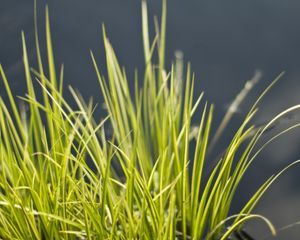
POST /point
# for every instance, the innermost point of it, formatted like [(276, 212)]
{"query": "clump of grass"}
[(62, 177)]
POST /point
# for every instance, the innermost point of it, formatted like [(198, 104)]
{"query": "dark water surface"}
[(226, 41)]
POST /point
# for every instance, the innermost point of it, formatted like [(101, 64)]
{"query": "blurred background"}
[(226, 41)]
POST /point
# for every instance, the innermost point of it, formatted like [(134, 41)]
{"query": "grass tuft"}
[(63, 177)]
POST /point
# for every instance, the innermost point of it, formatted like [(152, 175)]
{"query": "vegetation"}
[(63, 177)]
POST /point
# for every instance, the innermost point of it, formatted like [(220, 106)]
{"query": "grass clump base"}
[(62, 177)]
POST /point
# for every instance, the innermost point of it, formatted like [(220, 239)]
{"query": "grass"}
[(62, 177)]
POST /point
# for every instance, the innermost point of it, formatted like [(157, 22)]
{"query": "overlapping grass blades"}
[(144, 182)]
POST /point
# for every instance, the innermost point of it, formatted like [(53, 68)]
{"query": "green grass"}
[(144, 182)]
